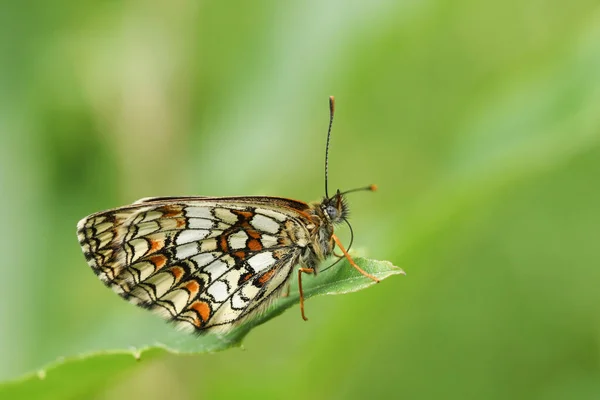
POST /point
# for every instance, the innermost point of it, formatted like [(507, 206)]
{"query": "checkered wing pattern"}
[(204, 263)]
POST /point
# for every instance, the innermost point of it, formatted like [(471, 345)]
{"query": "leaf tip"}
[(393, 269)]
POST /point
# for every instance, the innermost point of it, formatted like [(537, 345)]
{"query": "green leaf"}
[(78, 376)]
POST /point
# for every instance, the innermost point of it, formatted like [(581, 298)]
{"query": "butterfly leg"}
[(351, 261), (300, 271)]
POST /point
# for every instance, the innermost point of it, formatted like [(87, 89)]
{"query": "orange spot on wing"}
[(202, 308), (159, 260), (254, 245), (240, 254), (245, 277), (180, 222), (177, 272), (304, 214), (171, 211), (244, 214), (155, 245), (197, 323), (266, 276), (223, 243), (193, 287), (250, 231)]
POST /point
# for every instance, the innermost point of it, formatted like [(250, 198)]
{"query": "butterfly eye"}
[(332, 212)]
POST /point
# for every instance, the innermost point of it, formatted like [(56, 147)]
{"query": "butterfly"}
[(210, 263)]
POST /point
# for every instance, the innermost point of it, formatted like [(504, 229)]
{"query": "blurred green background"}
[(478, 120)]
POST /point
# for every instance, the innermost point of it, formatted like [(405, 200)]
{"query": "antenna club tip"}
[(373, 188), (332, 104)]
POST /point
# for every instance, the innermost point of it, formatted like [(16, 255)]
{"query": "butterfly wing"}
[(205, 263)]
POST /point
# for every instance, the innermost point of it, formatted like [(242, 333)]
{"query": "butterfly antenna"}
[(351, 234), (331, 112), (370, 188)]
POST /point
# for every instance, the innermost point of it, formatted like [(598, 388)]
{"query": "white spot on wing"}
[(203, 259), (226, 216), (186, 250), (265, 224), (249, 291), (238, 240), (216, 269), (208, 245), (273, 214), (261, 261), (218, 290), (268, 241), (198, 212), (191, 235), (237, 301), (199, 223)]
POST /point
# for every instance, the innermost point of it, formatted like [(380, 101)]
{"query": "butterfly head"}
[(335, 208)]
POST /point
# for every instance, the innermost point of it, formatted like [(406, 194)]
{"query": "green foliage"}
[(478, 120), (81, 376)]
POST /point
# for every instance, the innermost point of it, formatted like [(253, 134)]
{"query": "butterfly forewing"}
[(205, 263)]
